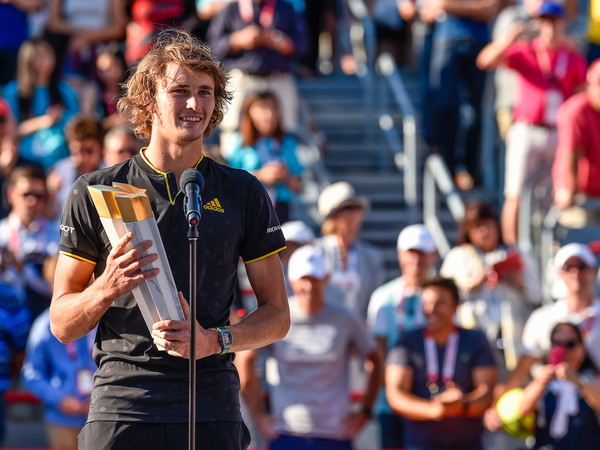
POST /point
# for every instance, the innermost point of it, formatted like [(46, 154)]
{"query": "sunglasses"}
[(579, 266), (569, 345), (36, 195)]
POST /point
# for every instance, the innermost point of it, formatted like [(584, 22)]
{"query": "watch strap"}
[(220, 331)]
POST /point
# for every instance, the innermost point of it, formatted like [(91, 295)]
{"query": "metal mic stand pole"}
[(193, 240)]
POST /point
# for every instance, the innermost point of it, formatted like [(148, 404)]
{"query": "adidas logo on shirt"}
[(214, 206)]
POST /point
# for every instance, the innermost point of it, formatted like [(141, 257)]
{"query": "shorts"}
[(528, 149), (103, 435)]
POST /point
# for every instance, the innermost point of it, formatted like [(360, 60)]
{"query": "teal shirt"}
[(47, 145), (251, 158)]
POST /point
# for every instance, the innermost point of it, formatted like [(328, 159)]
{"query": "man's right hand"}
[(124, 267), (245, 39)]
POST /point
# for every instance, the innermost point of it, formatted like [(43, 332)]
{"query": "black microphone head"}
[(193, 176)]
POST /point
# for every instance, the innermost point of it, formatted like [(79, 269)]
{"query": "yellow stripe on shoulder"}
[(264, 256), (77, 257)]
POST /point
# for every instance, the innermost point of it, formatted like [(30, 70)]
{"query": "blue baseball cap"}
[(551, 9)]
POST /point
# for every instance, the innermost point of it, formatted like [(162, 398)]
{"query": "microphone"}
[(191, 184)]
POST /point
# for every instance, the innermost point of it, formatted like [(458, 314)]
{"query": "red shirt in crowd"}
[(578, 131), (546, 77)]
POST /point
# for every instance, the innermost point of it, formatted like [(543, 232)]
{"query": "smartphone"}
[(556, 355)]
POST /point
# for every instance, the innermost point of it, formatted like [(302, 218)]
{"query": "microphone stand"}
[(193, 240)]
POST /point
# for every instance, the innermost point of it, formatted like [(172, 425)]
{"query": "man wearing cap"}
[(577, 163), (308, 376), (356, 267), (549, 72), (296, 234), (577, 269), (440, 377), (395, 307)]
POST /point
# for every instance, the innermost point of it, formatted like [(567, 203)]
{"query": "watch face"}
[(227, 338)]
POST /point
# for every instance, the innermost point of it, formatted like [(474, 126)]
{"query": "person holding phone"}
[(565, 392)]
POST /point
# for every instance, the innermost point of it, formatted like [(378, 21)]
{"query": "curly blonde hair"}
[(170, 46)]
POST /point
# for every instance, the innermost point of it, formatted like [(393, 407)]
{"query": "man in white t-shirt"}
[(577, 268), (395, 307)]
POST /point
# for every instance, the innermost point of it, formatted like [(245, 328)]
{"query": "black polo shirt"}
[(135, 381)]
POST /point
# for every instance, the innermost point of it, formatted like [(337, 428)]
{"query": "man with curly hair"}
[(175, 97)]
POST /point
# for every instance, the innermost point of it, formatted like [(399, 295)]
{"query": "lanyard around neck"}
[(431, 358)]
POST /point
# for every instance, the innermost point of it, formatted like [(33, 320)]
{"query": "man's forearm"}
[(262, 327), (73, 315)]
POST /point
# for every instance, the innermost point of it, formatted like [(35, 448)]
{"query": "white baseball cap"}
[(298, 232), (416, 237), (574, 250), (340, 195), (307, 261)]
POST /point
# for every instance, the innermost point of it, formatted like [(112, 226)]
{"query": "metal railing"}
[(363, 40), (534, 203), (405, 151), (437, 178)]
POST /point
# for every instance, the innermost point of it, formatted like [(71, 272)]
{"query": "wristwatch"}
[(225, 339)]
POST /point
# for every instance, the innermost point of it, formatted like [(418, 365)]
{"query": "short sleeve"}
[(378, 313), (516, 57), (482, 355), (361, 340), (399, 355), (80, 225), (263, 235), (531, 336)]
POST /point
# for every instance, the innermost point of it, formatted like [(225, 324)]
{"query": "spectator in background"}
[(565, 393), (577, 268), (61, 376), (14, 327), (258, 41), (81, 26), (120, 144), (549, 72), (460, 34), (500, 285), (262, 148), (395, 308), (149, 17), (206, 10), (355, 266), (27, 237), (576, 168), (297, 234), (505, 79), (320, 17), (13, 32), (9, 153), (440, 378), (421, 15), (84, 138), (110, 69), (41, 102), (309, 394)]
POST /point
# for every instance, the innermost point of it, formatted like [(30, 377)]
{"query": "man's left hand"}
[(174, 336)]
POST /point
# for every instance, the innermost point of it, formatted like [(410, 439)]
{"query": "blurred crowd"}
[(458, 352)]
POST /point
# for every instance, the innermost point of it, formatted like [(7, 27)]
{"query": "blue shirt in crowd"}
[(14, 326), (53, 370)]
